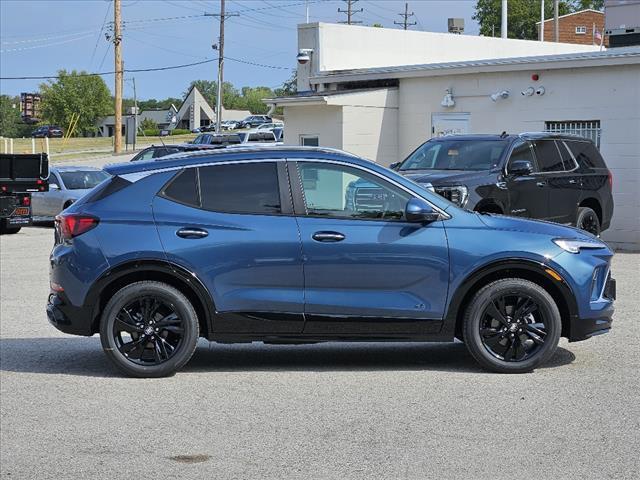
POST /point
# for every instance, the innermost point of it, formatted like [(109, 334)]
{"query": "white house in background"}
[(380, 93), (194, 112)]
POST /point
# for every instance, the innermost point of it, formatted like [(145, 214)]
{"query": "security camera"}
[(304, 55), (503, 94), (540, 91), (527, 92)]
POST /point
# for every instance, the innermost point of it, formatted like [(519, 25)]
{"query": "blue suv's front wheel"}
[(512, 325), (149, 329)]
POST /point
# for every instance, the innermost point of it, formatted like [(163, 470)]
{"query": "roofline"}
[(617, 56), (573, 13)]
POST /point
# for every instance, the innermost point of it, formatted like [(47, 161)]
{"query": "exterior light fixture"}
[(447, 100), (503, 94)]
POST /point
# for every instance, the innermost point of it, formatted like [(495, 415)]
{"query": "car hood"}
[(526, 225), (444, 177)]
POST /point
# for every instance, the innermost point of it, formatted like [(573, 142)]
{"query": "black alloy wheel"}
[(149, 329), (588, 221), (512, 325)]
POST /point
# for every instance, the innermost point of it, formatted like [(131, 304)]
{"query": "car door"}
[(563, 186), (528, 195), (232, 225), (367, 271)]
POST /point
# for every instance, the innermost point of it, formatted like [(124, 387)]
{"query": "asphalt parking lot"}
[(324, 411)]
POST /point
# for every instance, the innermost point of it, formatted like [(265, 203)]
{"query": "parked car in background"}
[(51, 131), (66, 185), (158, 151), (253, 121), (279, 134), (258, 244), (270, 126), (257, 136), (229, 124), (217, 139), (196, 130), (560, 178)]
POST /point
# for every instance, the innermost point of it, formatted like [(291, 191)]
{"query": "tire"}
[(156, 333), (588, 221), (512, 346), (6, 230)]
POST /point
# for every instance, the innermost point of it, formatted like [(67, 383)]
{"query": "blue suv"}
[(267, 244)]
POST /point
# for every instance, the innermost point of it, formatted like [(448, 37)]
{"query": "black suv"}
[(561, 178), (51, 131)]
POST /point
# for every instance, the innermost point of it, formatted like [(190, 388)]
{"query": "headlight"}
[(574, 245), (457, 194)]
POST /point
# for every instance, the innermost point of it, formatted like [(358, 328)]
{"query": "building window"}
[(583, 128), (309, 141), (581, 30)]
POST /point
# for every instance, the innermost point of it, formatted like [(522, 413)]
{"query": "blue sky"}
[(40, 37)]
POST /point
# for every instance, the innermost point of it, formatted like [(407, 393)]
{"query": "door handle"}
[(541, 184), (187, 232), (328, 236), (573, 181)]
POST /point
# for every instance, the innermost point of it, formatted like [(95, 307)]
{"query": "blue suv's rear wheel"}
[(149, 329), (512, 326)]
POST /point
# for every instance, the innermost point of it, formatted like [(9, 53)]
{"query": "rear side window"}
[(241, 188), (548, 156), (586, 154), (183, 188), (567, 158)]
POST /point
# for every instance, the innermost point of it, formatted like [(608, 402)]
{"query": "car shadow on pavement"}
[(84, 356)]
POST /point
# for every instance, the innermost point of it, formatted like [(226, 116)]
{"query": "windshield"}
[(456, 155), (83, 180)]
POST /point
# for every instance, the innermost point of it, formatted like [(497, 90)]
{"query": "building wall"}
[(567, 28), (325, 121), (611, 95)]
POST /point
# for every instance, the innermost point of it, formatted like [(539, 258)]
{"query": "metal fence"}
[(583, 128)]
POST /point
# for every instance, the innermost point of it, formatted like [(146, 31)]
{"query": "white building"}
[(380, 93)]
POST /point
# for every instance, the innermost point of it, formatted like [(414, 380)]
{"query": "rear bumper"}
[(68, 318)]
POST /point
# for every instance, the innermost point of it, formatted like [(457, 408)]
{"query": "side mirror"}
[(394, 165), (520, 168), (419, 211)]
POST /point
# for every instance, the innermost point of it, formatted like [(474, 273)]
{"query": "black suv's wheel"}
[(512, 326), (588, 220), (149, 329), (6, 230)]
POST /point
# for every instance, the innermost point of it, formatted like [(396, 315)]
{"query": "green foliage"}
[(522, 16), (148, 124), (153, 104), (11, 125), (377, 25), (577, 5), (75, 93), (179, 131)]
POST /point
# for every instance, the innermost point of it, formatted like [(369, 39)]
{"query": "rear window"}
[(241, 188), (548, 156), (586, 154)]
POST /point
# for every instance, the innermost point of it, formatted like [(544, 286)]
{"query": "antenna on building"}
[(350, 12), (405, 18)]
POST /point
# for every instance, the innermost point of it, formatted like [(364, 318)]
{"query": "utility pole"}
[(556, 22), (350, 12), (220, 47), (504, 30), (406, 15), (135, 112), (541, 35), (117, 43)]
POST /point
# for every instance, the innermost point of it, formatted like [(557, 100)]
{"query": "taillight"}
[(26, 200), (610, 180), (72, 224)]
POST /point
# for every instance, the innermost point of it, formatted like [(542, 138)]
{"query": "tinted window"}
[(345, 192), (456, 155), (548, 156), (567, 159), (522, 151), (586, 154), (144, 155), (183, 188), (241, 188), (83, 180)]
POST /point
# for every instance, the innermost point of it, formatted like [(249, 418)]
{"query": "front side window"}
[(83, 180), (456, 155), (241, 188), (522, 151), (548, 156), (345, 192)]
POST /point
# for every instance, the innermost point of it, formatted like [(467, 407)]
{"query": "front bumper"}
[(600, 322)]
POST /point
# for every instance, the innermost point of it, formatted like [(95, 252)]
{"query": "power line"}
[(20, 49), (405, 18), (44, 39), (104, 22), (350, 12)]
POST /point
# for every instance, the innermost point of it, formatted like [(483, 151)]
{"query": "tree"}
[(148, 124), (76, 93), (209, 90), (577, 5), (11, 124), (521, 17)]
